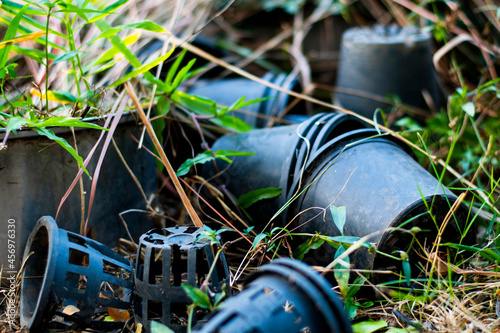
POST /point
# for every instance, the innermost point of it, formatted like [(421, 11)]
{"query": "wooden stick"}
[(194, 217)]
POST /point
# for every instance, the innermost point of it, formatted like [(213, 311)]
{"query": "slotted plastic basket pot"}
[(63, 268), (283, 296), (166, 259)]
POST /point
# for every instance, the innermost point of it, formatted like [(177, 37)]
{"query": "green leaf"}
[(232, 123), (173, 69), (143, 69), (312, 244), (368, 326), (469, 108), (113, 51), (144, 25), (63, 143), (37, 55), (248, 199), (341, 273), (65, 56), (10, 34), (487, 254), (407, 271), (63, 96), (15, 123), (258, 239), (345, 240), (409, 329), (65, 122), (223, 152), (156, 327), (108, 10), (190, 162), (356, 285), (248, 230), (339, 217), (350, 307), (199, 298), (181, 75)]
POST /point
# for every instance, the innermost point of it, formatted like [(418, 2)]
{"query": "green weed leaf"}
[(156, 327), (143, 69), (368, 326), (345, 240), (469, 108), (65, 56), (248, 199), (190, 162), (199, 298), (181, 75), (258, 239), (339, 216), (10, 34), (144, 25), (350, 307), (487, 254), (15, 123), (312, 244), (341, 273), (407, 271)]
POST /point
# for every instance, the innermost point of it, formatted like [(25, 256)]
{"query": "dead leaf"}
[(118, 314), (70, 310)]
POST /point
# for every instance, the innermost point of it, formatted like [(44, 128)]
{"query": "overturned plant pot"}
[(227, 91), (35, 173), (281, 153), (65, 269), (373, 176), (283, 296), (380, 61), (166, 259)]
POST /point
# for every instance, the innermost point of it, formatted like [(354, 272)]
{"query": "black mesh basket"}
[(166, 259), (63, 268), (283, 296)]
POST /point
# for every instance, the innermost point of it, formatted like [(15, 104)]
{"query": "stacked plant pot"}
[(333, 159), (227, 91), (35, 174), (377, 62)]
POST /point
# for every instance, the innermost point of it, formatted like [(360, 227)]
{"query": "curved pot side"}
[(272, 147), (381, 186), (402, 69), (35, 173)]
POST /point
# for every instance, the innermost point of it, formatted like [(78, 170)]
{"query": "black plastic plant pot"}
[(166, 259), (283, 296), (280, 153), (373, 176), (227, 91), (381, 61), (381, 187), (63, 268), (35, 174)]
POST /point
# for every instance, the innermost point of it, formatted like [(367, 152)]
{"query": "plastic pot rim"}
[(316, 289), (50, 224)]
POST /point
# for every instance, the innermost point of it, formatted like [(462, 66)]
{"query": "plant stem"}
[(47, 60)]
